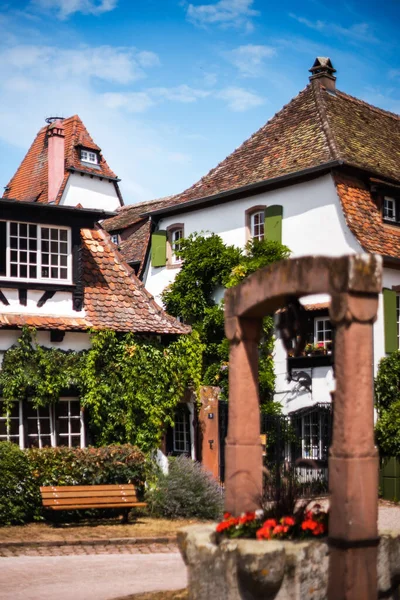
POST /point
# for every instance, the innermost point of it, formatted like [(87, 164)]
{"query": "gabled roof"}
[(132, 213), (114, 298), (318, 127), (30, 181)]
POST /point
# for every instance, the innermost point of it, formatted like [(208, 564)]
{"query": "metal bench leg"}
[(125, 516)]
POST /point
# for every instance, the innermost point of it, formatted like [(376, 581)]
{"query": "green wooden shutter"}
[(273, 223), (390, 320), (159, 249)]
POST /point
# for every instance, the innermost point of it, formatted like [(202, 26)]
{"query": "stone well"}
[(255, 570)]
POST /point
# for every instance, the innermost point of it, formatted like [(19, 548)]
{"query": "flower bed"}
[(305, 523)]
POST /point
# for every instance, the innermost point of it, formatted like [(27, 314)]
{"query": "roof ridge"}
[(323, 117), (372, 107), (247, 142)]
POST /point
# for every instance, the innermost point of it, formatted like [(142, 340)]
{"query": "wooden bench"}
[(81, 497)]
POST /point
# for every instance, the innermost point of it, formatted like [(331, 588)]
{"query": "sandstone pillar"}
[(243, 451), (353, 461)]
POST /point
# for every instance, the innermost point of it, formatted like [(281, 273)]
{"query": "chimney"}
[(55, 158), (323, 70)]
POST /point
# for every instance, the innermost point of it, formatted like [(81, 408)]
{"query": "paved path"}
[(96, 547), (89, 577)]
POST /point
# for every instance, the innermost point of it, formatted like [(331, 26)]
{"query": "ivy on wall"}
[(129, 386), (387, 400), (208, 267)]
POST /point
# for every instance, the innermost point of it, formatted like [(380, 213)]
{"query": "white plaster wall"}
[(90, 193), (59, 305), (72, 340), (313, 223)]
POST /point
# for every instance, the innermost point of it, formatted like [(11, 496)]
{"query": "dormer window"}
[(90, 157), (115, 238), (389, 209), (31, 252)]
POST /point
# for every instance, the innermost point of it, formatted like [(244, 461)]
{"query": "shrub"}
[(187, 491), (19, 493), (87, 466)]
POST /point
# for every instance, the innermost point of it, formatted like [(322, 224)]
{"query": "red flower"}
[(319, 530), (279, 529), (289, 521), (231, 522), (264, 533), (309, 524), (227, 515), (270, 523), (247, 518)]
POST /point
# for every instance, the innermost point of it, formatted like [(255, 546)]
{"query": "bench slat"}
[(87, 488), (78, 494), (87, 501), (80, 507)]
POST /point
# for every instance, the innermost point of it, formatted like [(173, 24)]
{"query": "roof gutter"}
[(99, 175), (251, 189), (101, 214)]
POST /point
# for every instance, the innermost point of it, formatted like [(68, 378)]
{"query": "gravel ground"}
[(389, 517)]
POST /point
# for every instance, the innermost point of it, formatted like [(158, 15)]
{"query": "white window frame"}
[(324, 341), (389, 205), (311, 451), (175, 260), (115, 238), (89, 156), (257, 235), (13, 438), (39, 435), (182, 419), (39, 265), (69, 417)]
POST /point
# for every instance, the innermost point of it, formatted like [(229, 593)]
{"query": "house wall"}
[(313, 223), (59, 305), (90, 192)]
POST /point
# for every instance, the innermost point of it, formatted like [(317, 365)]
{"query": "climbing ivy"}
[(128, 385), (208, 267), (387, 399)]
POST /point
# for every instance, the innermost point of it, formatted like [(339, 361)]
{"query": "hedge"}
[(22, 472)]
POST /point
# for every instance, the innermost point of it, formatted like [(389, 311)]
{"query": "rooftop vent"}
[(51, 120), (323, 70)]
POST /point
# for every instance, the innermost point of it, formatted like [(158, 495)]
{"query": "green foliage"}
[(19, 493), (209, 266), (87, 466), (387, 396), (129, 386), (187, 491)]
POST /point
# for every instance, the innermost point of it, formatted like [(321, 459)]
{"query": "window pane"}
[(63, 425), (76, 441), (32, 272), (54, 234), (46, 440), (14, 228), (23, 271), (3, 427), (63, 409), (75, 408), (45, 233), (75, 426), (23, 230), (63, 235)]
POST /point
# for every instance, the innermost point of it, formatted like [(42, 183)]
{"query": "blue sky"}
[(168, 88)]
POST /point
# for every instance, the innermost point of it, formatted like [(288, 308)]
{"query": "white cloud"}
[(239, 99), (181, 93), (66, 8), (359, 32), (118, 65), (226, 13), (250, 59), (134, 102)]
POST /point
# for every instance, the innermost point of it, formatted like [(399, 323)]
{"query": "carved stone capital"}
[(239, 329), (346, 308)]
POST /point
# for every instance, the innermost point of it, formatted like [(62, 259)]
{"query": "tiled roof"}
[(130, 214), (133, 250), (114, 297), (315, 128), (364, 217), (30, 180)]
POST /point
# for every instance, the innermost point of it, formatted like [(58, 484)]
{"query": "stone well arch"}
[(353, 283)]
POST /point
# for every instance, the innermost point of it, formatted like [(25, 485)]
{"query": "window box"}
[(304, 362)]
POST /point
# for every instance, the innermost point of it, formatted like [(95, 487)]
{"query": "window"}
[(181, 432), (175, 234), (70, 423), (315, 435), (90, 157), (257, 225), (323, 332), (389, 209), (40, 426), (10, 424), (35, 252), (115, 238)]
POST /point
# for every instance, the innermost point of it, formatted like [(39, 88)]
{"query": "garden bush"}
[(186, 491), (19, 493), (88, 466)]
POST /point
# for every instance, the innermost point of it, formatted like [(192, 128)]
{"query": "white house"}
[(323, 177), (61, 273)]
